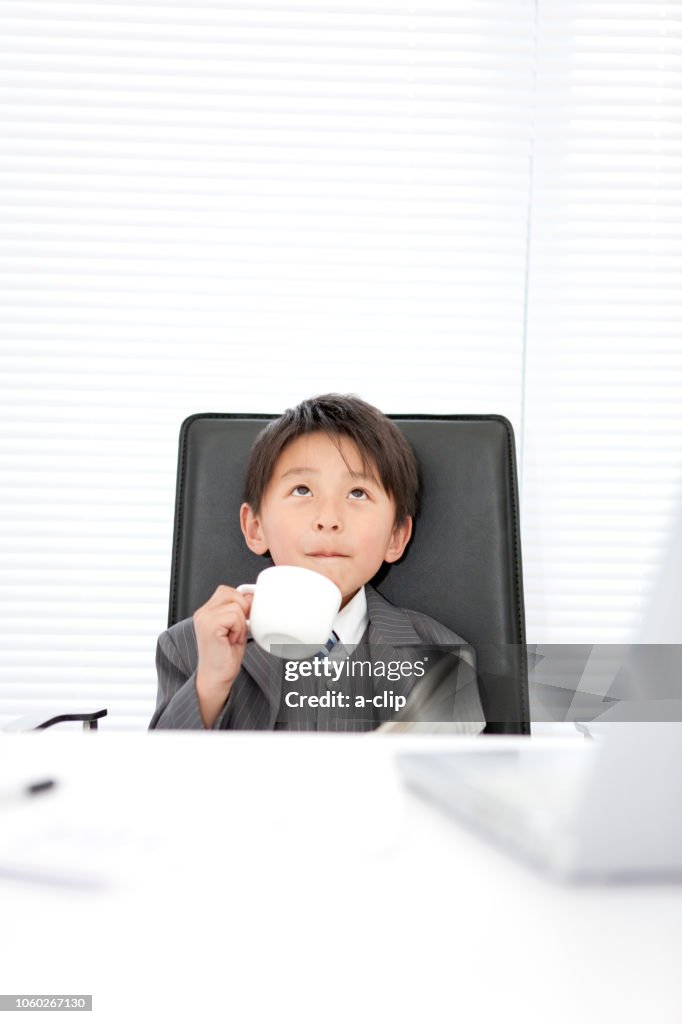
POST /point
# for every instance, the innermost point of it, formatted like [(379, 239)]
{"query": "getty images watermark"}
[(333, 672)]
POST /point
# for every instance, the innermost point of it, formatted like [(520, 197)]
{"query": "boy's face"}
[(319, 515)]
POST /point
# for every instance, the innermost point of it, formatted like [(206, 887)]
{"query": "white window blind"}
[(230, 207), (602, 461)]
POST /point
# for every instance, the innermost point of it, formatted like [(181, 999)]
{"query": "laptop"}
[(609, 809)]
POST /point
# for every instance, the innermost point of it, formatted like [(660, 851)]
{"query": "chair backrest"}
[(463, 565)]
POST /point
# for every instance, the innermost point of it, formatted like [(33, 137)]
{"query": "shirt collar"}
[(351, 622)]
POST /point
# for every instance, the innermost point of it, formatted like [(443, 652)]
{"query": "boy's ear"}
[(252, 530), (399, 540)]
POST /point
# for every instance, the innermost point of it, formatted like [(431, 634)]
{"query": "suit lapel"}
[(388, 626), (385, 640), (258, 706)]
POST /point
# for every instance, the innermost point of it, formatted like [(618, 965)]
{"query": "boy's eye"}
[(357, 491)]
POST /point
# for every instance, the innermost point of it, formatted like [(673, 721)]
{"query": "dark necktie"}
[(326, 650)]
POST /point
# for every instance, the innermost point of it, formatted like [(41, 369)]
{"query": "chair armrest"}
[(43, 719)]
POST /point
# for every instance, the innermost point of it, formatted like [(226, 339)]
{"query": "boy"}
[(331, 485)]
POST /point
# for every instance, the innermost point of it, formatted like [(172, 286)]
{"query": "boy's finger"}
[(227, 618)]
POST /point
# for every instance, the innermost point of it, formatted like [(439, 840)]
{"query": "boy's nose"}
[(327, 522), (327, 518)]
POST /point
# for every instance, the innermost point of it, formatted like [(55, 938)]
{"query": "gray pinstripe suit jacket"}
[(392, 634)]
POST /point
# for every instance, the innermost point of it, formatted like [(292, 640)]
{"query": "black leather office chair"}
[(463, 565)]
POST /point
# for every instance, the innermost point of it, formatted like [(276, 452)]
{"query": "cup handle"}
[(247, 588)]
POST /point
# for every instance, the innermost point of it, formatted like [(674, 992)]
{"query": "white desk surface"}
[(260, 877)]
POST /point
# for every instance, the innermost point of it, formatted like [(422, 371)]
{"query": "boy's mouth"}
[(327, 554)]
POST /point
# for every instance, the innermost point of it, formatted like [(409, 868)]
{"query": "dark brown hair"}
[(381, 444)]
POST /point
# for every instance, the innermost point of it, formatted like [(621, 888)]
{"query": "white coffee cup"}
[(293, 610)]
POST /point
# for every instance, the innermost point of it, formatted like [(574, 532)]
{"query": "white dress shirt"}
[(351, 622)]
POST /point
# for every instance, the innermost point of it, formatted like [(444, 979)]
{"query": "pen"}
[(26, 790)]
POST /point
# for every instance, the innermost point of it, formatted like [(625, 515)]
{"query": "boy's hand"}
[(220, 627)]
